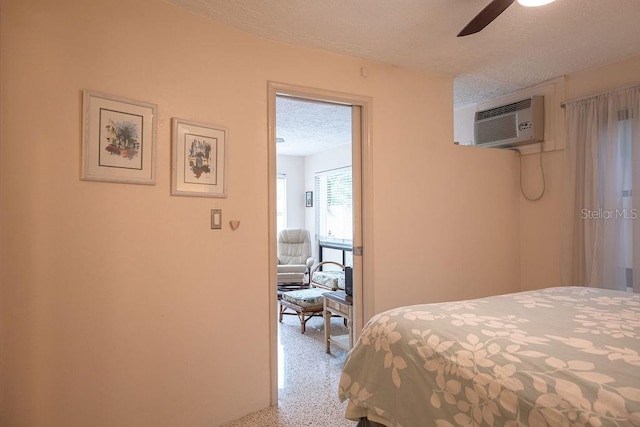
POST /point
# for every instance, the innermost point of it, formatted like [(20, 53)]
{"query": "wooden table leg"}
[(327, 330)]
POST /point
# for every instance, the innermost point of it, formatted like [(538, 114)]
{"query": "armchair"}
[(294, 257)]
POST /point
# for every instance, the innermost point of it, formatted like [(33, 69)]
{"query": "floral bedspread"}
[(567, 356)]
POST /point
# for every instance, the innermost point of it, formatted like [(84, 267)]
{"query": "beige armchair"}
[(294, 258)]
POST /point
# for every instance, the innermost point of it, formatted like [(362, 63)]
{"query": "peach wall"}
[(540, 221), (119, 305), (445, 216), (601, 79), (449, 224)]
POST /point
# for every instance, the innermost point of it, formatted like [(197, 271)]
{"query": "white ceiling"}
[(308, 127), (521, 48)]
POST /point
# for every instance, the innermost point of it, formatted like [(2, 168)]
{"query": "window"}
[(601, 221), (281, 202), (626, 167), (334, 205)]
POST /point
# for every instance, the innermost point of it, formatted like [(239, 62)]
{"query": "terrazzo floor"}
[(308, 379)]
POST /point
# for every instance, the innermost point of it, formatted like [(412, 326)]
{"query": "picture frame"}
[(118, 139), (199, 159), (309, 199)]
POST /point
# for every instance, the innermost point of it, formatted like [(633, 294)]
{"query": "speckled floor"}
[(308, 379)]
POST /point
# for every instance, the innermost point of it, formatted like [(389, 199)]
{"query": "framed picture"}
[(118, 139), (198, 164), (309, 198)]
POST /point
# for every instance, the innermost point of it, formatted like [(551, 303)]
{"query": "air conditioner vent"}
[(510, 125), (500, 128), (504, 109)]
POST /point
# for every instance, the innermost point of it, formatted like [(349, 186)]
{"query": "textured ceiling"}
[(308, 127), (521, 48)]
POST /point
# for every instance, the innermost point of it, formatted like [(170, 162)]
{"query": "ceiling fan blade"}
[(486, 16)]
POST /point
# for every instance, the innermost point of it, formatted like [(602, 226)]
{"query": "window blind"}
[(334, 205)]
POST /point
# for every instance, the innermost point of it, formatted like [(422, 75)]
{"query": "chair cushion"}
[(333, 280), (306, 298), (291, 278), (293, 268), (295, 255)]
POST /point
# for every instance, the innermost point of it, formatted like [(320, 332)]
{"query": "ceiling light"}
[(535, 3)]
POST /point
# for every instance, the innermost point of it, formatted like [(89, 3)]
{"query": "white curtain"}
[(602, 203)]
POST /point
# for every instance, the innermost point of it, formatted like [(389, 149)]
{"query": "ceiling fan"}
[(492, 11)]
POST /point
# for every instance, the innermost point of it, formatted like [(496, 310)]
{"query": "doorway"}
[(359, 110)]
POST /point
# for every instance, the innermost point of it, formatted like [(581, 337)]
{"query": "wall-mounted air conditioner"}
[(511, 125)]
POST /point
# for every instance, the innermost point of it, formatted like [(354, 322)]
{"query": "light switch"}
[(216, 219)]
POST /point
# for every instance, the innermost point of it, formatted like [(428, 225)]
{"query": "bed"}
[(566, 356)]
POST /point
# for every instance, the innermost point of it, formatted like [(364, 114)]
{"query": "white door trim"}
[(363, 294)]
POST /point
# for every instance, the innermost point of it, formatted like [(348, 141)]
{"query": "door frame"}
[(362, 176)]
